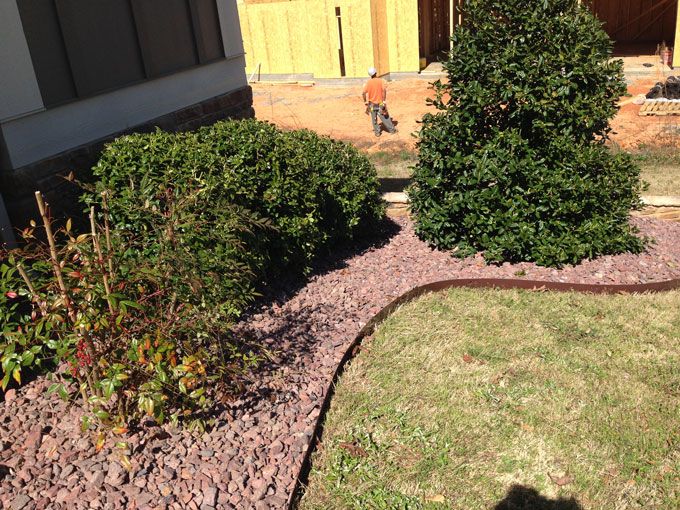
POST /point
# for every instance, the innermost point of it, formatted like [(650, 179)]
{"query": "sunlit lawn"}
[(660, 168), (463, 395)]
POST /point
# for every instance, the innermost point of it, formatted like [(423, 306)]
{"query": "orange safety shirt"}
[(375, 90)]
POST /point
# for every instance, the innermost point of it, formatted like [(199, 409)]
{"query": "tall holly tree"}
[(514, 162)]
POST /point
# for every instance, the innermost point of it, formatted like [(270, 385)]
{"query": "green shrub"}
[(139, 309), (134, 332), (172, 213), (351, 203), (514, 163), (18, 349), (315, 192)]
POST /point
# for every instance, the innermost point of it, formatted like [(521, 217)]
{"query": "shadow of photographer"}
[(520, 497)]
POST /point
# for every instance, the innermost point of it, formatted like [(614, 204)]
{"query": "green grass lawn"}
[(393, 165), (660, 168), (507, 400)]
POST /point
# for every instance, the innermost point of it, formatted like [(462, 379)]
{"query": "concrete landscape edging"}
[(661, 200), (475, 283), (397, 197)]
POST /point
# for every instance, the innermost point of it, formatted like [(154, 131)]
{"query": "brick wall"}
[(18, 186)]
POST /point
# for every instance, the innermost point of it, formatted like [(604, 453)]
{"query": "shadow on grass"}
[(520, 497), (393, 184)]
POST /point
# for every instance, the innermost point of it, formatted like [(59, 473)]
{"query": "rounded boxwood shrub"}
[(316, 191), (312, 191), (171, 212), (514, 163)]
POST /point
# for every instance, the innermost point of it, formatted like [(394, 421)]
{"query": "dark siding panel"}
[(207, 30), (45, 42), (165, 35), (101, 43)]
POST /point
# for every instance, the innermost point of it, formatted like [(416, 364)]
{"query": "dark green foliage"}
[(13, 313), (173, 213), (316, 191), (183, 228), (514, 164), (140, 333), (313, 192)]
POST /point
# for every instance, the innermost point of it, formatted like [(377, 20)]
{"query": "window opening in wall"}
[(341, 48)]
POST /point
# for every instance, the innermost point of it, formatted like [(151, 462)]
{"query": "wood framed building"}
[(639, 26), (328, 38), (76, 73), (307, 39)]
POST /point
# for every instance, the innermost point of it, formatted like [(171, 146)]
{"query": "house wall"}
[(39, 143), (402, 34), (381, 50), (38, 136), (18, 83), (7, 239), (272, 45), (300, 37), (636, 20), (32, 132)]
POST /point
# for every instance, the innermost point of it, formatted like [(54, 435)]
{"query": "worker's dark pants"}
[(376, 114)]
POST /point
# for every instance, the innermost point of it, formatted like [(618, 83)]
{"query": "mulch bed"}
[(251, 458)]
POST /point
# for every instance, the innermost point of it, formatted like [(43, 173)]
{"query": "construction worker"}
[(375, 96)]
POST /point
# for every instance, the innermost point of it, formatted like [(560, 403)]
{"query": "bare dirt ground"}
[(630, 131), (338, 111)]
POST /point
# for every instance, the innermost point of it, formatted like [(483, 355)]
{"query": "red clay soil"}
[(338, 111), (631, 131)]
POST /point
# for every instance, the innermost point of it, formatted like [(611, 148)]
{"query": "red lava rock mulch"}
[(252, 456)]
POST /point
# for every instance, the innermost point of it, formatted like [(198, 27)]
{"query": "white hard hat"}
[(372, 71)]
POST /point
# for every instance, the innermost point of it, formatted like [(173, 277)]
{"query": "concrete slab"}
[(661, 200), (640, 67)]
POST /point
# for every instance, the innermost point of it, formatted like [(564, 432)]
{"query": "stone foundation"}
[(18, 186)]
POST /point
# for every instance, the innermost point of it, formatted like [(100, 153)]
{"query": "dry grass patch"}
[(661, 169), (662, 179), (463, 395), (393, 165)]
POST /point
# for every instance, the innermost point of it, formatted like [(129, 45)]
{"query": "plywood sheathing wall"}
[(357, 34), (301, 36), (381, 51), (402, 34)]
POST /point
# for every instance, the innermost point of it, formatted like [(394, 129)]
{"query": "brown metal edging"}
[(475, 283)]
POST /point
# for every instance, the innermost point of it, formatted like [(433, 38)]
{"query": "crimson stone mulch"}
[(253, 455)]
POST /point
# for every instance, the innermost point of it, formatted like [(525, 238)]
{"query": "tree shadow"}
[(294, 336), (394, 184), (282, 287), (521, 497)]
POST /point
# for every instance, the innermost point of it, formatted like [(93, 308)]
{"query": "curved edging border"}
[(488, 283)]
